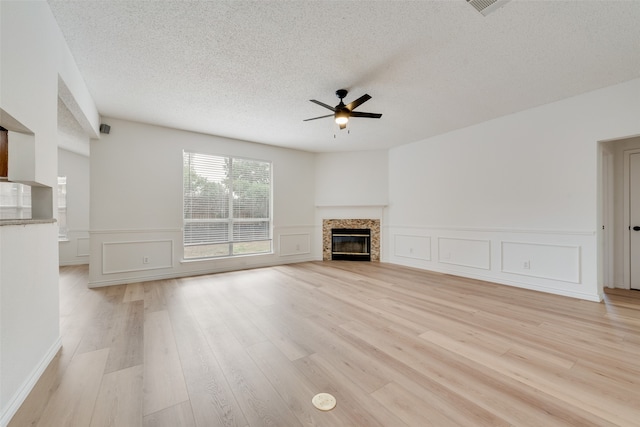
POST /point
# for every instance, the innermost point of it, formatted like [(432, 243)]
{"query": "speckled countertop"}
[(26, 221)]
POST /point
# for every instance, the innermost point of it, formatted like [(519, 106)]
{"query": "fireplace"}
[(351, 244), (359, 226)]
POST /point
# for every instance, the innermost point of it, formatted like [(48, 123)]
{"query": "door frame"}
[(612, 215), (606, 245), (627, 214)]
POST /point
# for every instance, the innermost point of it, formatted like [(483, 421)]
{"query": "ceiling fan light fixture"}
[(342, 118)]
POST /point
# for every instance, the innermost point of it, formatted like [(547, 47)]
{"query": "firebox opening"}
[(349, 244)]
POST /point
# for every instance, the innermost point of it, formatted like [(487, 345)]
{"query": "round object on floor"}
[(324, 401)]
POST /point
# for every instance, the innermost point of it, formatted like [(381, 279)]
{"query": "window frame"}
[(19, 202), (231, 221), (63, 229)]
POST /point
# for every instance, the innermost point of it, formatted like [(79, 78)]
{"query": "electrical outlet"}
[(145, 260), (526, 265)]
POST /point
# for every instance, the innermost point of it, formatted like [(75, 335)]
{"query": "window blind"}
[(227, 205)]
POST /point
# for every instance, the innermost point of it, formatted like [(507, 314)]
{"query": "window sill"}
[(225, 258)]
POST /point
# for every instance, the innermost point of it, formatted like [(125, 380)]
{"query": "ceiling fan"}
[(342, 112)]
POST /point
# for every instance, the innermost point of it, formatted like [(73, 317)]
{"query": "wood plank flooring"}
[(396, 346)]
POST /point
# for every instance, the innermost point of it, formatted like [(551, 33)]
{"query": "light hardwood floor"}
[(395, 346)]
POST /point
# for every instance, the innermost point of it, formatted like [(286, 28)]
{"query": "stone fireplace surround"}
[(372, 224)]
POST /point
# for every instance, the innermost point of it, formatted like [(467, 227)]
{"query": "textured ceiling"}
[(247, 70)]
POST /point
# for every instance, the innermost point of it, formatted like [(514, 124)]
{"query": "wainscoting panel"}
[(83, 246), (121, 257), (556, 262), (562, 262), (294, 244), (416, 247), (465, 252), (74, 250), (117, 256)]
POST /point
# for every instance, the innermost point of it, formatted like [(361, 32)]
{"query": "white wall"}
[(73, 162), (136, 203), (71, 136), (485, 200), (352, 178), (75, 249), (33, 55), (30, 331)]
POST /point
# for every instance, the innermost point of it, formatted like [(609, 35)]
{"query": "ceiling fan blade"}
[(370, 115), (352, 105), (322, 104), (321, 117)]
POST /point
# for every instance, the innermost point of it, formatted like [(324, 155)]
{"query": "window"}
[(62, 208), (227, 206), (15, 201)]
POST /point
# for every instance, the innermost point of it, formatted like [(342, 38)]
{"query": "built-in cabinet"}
[(4, 153)]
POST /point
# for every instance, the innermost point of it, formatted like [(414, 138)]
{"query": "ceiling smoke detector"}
[(485, 7)]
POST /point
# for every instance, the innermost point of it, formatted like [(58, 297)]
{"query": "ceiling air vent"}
[(485, 7)]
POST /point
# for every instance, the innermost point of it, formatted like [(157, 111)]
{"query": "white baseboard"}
[(21, 394), (508, 282), (67, 263)]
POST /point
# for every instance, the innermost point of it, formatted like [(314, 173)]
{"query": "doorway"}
[(619, 201)]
